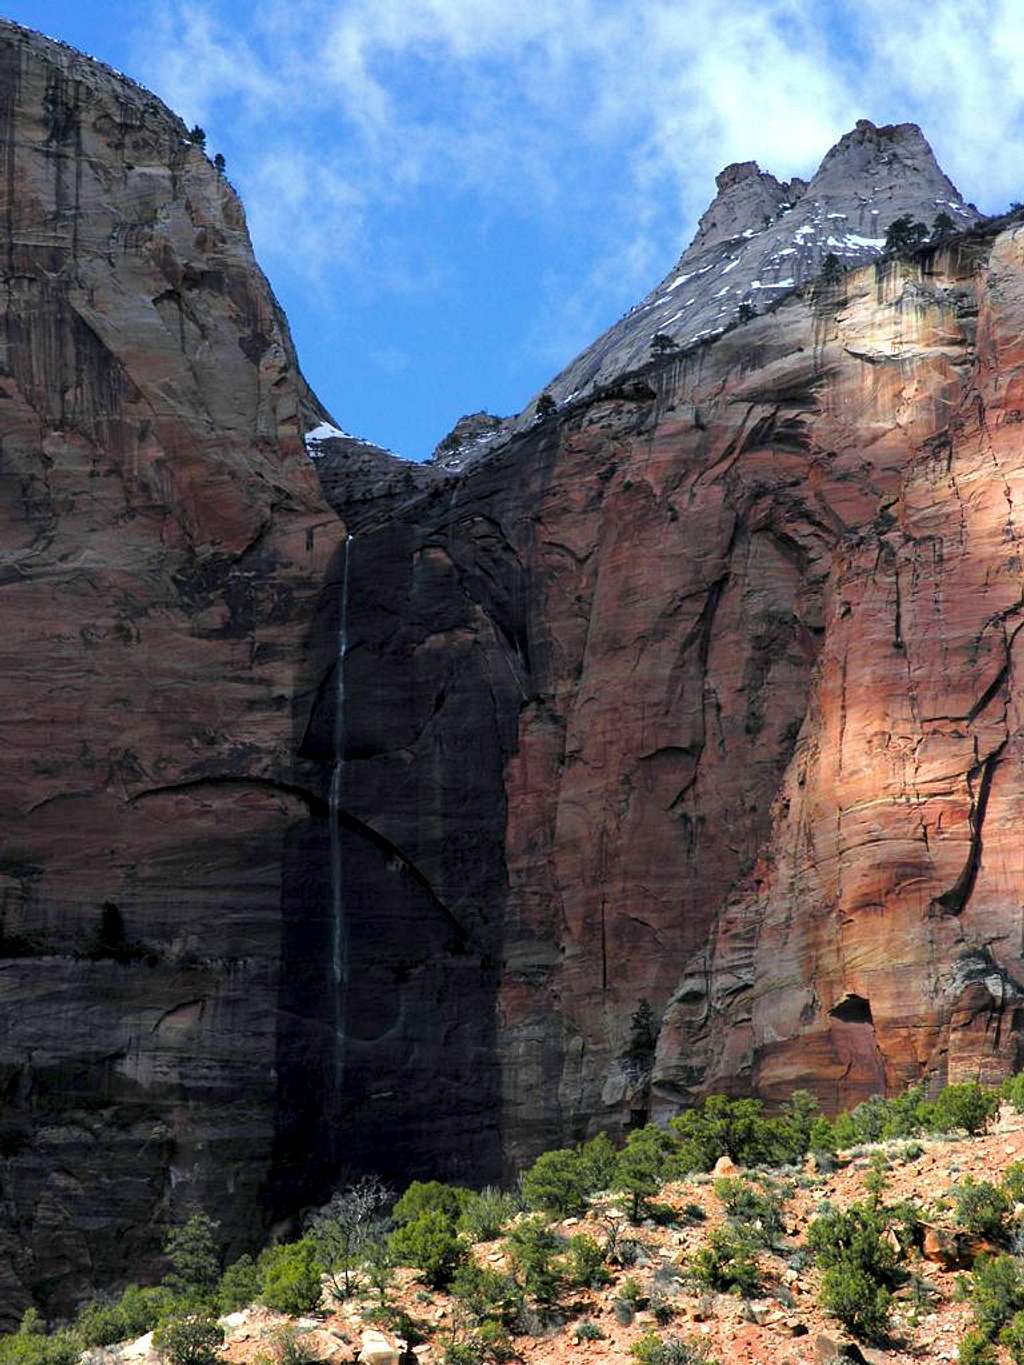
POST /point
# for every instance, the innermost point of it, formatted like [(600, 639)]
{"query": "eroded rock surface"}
[(163, 548), (755, 610), (760, 238), (704, 691)]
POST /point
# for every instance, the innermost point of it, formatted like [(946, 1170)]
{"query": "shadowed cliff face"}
[(755, 614), (163, 546)]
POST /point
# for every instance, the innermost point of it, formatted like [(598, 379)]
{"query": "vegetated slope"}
[(902, 1247)]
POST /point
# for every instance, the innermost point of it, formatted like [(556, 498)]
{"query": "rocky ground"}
[(782, 1327)]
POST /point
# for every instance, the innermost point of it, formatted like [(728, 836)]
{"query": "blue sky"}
[(453, 197)]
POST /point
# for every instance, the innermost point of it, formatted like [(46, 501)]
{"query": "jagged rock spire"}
[(761, 236)]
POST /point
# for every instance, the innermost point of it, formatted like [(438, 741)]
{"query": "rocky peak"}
[(471, 436), (892, 161), (747, 197), (760, 237)]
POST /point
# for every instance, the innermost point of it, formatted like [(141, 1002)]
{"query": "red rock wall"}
[(702, 692), (880, 938), (162, 549), (762, 623)]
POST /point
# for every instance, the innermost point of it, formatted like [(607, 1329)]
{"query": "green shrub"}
[(290, 1276), (30, 1345), (1013, 1182), (996, 1292), (860, 1264), (464, 1352), (728, 1264), (486, 1215), (558, 1182), (859, 1302), (495, 1342), (430, 1243), (968, 1106), (631, 1291), (599, 1159), (853, 1239), (1012, 1337), (982, 1208), (740, 1130), (588, 1331), (877, 1179), (192, 1339), (239, 1285), (136, 1312), (194, 1256), (1012, 1091), (822, 1140), (663, 1309), (757, 1211), (584, 1263), (533, 1248), (487, 1293), (976, 1349), (650, 1349), (431, 1196), (642, 1165)]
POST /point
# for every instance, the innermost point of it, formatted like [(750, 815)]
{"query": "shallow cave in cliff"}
[(852, 1009)]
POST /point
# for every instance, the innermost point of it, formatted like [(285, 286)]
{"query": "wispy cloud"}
[(609, 117)]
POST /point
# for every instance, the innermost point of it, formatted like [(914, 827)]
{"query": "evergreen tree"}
[(904, 236), (942, 227), (194, 1256)]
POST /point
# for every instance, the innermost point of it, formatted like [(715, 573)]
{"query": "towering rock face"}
[(755, 610), (163, 550), (704, 691)]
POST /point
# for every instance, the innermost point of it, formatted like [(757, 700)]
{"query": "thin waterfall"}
[(339, 946)]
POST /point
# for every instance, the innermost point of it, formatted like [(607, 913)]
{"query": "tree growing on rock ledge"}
[(904, 236), (546, 405), (942, 227)]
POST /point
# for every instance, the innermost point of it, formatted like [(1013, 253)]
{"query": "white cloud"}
[(344, 108)]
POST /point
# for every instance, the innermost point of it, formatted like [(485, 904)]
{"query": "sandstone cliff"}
[(726, 654), (702, 691), (163, 547)]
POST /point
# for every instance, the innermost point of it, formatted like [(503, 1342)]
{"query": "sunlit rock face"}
[(163, 546), (760, 238), (753, 611), (877, 939)]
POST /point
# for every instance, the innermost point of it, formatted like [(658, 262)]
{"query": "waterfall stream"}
[(339, 946)]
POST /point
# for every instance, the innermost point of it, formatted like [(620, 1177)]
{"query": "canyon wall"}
[(163, 548), (327, 854), (755, 608)]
